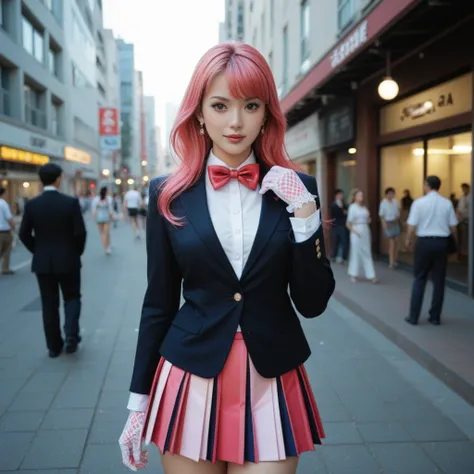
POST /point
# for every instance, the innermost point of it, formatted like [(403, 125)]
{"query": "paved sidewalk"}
[(446, 350), (382, 412)]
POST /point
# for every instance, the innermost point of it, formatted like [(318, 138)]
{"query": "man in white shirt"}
[(132, 201), (7, 226), (433, 218)]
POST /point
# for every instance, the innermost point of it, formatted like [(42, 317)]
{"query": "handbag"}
[(452, 245)]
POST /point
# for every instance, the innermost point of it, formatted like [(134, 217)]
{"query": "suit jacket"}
[(53, 230), (198, 336)]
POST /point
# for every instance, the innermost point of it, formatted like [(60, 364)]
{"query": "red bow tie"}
[(248, 175)]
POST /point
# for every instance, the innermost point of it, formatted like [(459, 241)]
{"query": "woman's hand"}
[(287, 185), (130, 441)]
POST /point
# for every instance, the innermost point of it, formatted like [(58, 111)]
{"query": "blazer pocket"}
[(188, 323)]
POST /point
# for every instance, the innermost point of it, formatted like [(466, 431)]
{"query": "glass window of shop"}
[(404, 168), (345, 172)]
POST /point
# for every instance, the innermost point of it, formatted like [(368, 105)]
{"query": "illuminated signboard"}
[(74, 154), (21, 156)]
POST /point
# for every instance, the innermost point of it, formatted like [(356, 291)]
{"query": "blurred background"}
[(376, 93)]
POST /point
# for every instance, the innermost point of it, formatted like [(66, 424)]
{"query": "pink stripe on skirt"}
[(236, 417)]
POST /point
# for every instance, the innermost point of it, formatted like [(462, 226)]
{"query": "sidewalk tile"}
[(13, 448), (21, 421), (403, 459), (68, 419), (56, 450)]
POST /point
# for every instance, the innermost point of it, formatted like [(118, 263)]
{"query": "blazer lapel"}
[(194, 201), (270, 215)]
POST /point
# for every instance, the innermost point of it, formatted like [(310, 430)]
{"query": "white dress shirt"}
[(235, 213), (432, 215), (5, 215), (389, 210)]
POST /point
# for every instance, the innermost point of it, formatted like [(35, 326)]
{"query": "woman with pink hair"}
[(218, 383)]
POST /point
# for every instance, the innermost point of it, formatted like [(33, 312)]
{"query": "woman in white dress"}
[(360, 258)]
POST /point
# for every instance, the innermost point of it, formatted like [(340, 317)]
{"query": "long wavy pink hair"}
[(248, 75)]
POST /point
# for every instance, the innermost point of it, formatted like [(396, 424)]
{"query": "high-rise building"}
[(234, 25), (150, 132), (48, 94), (129, 158)]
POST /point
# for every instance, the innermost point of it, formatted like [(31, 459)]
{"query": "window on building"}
[(53, 61), (34, 105), (240, 22), (304, 31), (272, 16), (2, 14), (262, 30), (345, 13), (126, 92), (55, 117), (78, 78), (33, 40), (101, 89), (284, 84), (4, 91)]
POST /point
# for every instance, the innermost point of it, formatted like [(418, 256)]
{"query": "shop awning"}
[(357, 56)]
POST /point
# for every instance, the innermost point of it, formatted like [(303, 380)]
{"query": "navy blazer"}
[(198, 336)]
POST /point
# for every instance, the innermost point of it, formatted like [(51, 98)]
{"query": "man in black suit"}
[(53, 230)]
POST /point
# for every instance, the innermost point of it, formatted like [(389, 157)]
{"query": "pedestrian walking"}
[(223, 375), (389, 213), (117, 207), (339, 244), (143, 210), (434, 221), (360, 256), (7, 229), (53, 230), (103, 212), (132, 200)]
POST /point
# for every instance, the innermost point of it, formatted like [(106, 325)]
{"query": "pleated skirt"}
[(235, 417)]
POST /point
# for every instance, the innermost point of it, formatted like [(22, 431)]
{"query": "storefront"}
[(81, 178), (430, 133), (337, 125), (19, 175)]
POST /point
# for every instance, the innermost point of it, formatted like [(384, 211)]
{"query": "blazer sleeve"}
[(26, 230), (79, 228), (162, 296), (311, 281)]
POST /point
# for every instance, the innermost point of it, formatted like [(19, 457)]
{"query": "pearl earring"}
[(201, 130)]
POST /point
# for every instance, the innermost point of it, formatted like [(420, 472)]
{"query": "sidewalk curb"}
[(457, 383)]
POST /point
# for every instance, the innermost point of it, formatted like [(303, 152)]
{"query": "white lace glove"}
[(287, 185), (130, 441)]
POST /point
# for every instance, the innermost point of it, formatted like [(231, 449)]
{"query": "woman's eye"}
[(218, 107), (253, 106)]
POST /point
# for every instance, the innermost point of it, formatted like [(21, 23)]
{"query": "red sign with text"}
[(108, 121)]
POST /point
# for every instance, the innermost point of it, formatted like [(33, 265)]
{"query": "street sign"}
[(108, 121), (110, 142)]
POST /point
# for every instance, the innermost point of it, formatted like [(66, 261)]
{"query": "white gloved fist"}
[(130, 441), (287, 185)]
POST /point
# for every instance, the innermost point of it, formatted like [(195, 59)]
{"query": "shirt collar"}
[(50, 188), (212, 160)]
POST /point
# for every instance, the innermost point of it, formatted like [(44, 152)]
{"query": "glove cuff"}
[(303, 199)]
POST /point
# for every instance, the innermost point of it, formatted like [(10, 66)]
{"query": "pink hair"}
[(248, 75)]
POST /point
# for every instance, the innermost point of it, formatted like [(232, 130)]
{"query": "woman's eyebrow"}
[(219, 98)]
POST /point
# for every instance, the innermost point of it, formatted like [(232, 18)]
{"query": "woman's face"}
[(359, 197), (232, 124)]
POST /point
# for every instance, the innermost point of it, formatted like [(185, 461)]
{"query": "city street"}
[(382, 411)]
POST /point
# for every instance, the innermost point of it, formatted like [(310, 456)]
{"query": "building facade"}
[(150, 138), (328, 64), (128, 111), (48, 94)]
